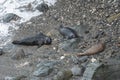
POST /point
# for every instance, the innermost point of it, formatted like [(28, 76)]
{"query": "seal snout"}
[(48, 40)]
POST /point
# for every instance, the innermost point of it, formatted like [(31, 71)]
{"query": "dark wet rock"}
[(9, 17), (37, 40), (110, 70), (65, 74), (43, 7), (90, 70), (18, 54), (76, 70), (70, 45), (43, 71), (1, 52), (67, 32)]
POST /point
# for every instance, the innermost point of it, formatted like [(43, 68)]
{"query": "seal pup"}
[(37, 40), (67, 32)]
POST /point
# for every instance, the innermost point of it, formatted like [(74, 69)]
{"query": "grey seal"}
[(37, 40)]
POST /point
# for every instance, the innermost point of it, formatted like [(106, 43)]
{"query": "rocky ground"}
[(94, 20)]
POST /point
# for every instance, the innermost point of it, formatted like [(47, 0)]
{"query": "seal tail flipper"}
[(16, 42)]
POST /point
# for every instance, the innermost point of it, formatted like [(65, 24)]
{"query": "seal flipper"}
[(40, 43)]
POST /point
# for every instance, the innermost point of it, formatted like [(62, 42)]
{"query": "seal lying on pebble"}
[(39, 40), (67, 32)]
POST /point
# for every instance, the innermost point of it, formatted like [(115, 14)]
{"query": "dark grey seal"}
[(67, 32), (38, 40), (43, 7)]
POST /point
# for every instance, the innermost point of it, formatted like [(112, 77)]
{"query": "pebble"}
[(9, 17), (76, 71)]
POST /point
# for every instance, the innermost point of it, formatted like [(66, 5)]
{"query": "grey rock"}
[(63, 75), (83, 59), (81, 29), (47, 63), (18, 54), (8, 48), (90, 70), (76, 70), (44, 68), (70, 45), (35, 78), (77, 59), (43, 71), (110, 70), (10, 16)]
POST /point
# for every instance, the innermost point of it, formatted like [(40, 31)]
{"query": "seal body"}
[(39, 40), (67, 32)]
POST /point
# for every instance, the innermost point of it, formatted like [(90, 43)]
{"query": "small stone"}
[(9, 17), (63, 75), (19, 54), (76, 71)]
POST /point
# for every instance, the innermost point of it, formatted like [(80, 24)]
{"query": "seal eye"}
[(48, 40)]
